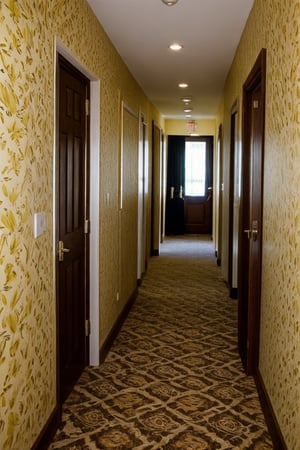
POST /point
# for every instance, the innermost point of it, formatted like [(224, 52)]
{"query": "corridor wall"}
[(28, 352), (274, 25)]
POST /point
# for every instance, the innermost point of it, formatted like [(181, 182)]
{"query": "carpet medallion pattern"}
[(173, 378)]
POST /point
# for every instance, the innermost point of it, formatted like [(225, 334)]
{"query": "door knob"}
[(253, 232), (62, 250), (249, 233)]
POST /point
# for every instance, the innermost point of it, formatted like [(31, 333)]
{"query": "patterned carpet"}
[(173, 378)]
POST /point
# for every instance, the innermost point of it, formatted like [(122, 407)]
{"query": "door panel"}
[(129, 211), (249, 281), (197, 214), (72, 258)]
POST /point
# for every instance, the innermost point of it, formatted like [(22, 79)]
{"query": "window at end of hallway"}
[(195, 168)]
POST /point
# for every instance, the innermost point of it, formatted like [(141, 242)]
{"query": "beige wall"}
[(27, 136), (275, 26)]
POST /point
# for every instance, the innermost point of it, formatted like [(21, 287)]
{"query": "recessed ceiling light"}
[(188, 110), (186, 100), (183, 85), (175, 47), (169, 2), (188, 116)]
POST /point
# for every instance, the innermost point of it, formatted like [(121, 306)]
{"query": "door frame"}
[(156, 206), (163, 187), (249, 294), (219, 196), (234, 197), (142, 197), (94, 193)]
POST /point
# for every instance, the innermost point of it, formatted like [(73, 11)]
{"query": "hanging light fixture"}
[(170, 2)]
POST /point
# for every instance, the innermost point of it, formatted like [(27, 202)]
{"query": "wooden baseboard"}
[(116, 328), (44, 439), (271, 421)]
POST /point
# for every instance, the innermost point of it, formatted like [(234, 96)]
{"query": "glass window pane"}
[(195, 165)]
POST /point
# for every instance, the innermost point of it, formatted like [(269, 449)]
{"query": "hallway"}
[(173, 378)]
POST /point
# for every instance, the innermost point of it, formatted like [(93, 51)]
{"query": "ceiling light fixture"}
[(188, 110), (170, 2), (183, 85), (186, 100), (175, 46)]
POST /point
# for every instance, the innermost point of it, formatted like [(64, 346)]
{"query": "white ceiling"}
[(209, 30)]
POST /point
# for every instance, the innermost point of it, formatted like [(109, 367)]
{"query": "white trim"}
[(63, 50), (94, 250), (95, 222), (129, 110), (141, 198)]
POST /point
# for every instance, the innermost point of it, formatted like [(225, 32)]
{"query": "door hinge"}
[(87, 327), (87, 107), (86, 226), (255, 104)]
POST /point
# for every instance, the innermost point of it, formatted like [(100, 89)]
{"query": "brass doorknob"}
[(252, 234), (62, 250), (248, 232)]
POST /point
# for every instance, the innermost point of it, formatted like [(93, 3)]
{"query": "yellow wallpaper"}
[(27, 291), (27, 316), (274, 24)]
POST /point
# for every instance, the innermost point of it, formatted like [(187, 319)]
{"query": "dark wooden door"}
[(73, 241), (249, 280)]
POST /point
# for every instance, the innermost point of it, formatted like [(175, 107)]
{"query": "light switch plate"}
[(39, 224)]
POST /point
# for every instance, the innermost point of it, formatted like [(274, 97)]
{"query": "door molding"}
[(234, 198), (94, 187), (141, 197), (156, 189), (219, 196)]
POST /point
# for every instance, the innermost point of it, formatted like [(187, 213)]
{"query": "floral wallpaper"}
[(274, 25), (27, 316), (27, 288)]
